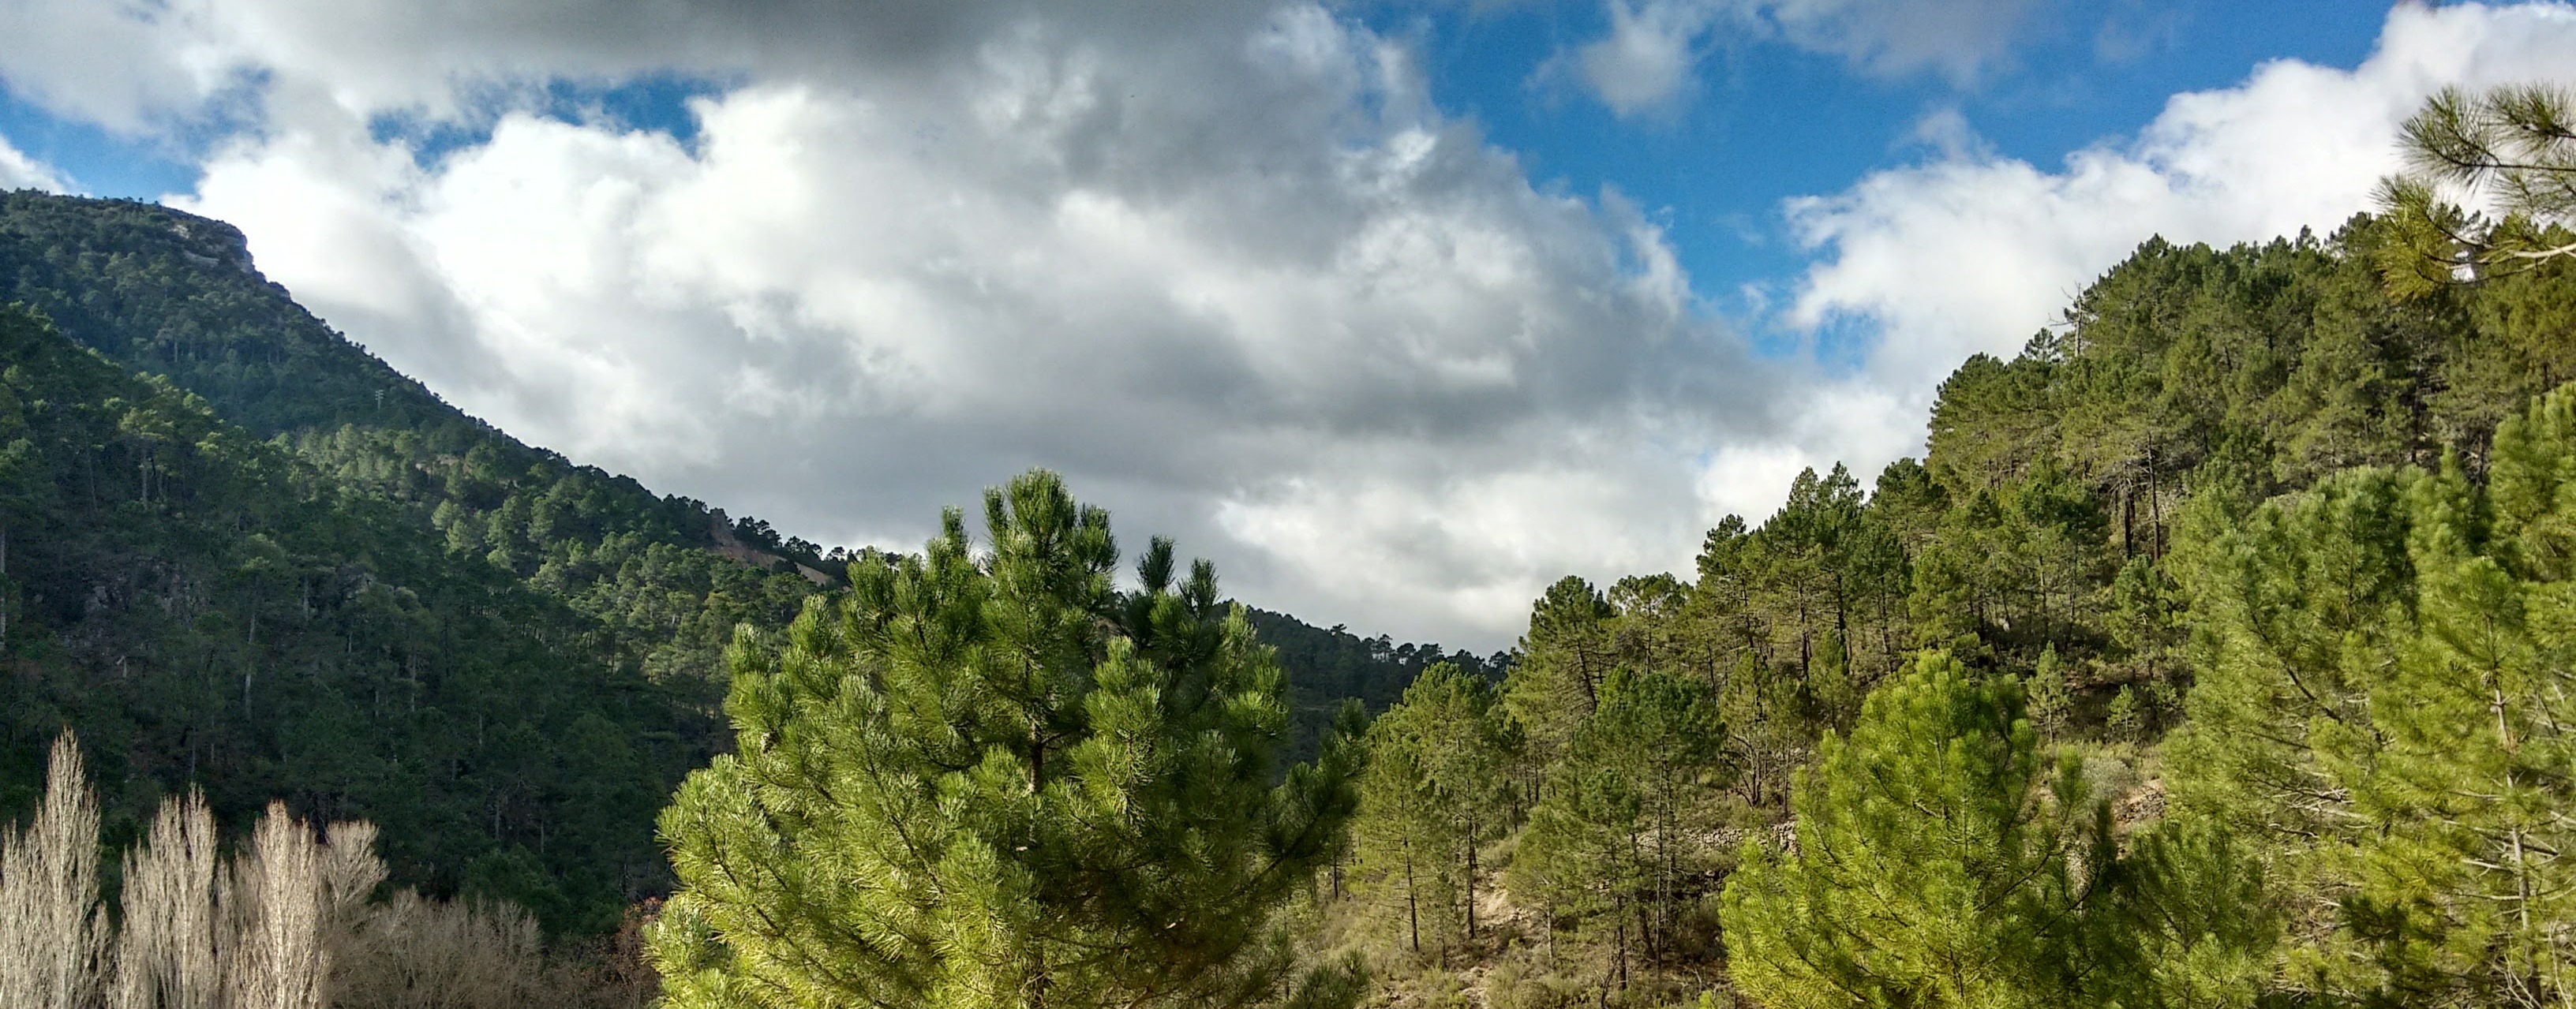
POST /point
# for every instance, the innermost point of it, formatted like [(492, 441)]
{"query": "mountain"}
[(205, 610), (251, 557)]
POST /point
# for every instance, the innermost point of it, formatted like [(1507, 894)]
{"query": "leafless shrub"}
[(414, 953)]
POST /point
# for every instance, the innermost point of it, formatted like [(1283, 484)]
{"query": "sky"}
[(1398, 311)]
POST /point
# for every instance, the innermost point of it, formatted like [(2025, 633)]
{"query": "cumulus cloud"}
[(18, 171), (1258, 294), (175, 56), (1958, 39), (1649, 60), (1973, 252)]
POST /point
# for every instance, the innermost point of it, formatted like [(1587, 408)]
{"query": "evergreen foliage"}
[(1619, 846), (1942, 859), (2382, 701), (994, 780), (2513, 146), (203, 611), (1437, 789), (1328, 667), (1566, 655)]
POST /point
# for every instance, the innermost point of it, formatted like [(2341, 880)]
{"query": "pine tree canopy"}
[(2384, 698), (1437, 788), (989, 780), (2513, 147), (1942, 860)]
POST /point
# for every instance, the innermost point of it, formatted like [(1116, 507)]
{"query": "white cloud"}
[(18, 171), (1648, 63), (60, 55), (1973, 252), (173, 57), (1650, 60), (1257, 295), (1958, 39)]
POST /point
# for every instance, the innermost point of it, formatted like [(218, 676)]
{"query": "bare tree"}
[(290, 923), (274, 898), (165, 955), (350, 873), (51, 935)]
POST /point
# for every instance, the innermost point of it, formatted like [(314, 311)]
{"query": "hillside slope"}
[(584, 585), (204, 610), (2076, 530)]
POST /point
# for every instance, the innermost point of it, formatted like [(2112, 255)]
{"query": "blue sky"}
[(1772, 121), (1397, 310)]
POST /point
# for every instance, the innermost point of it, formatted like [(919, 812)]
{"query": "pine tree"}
[(2126, 719), (1622, 830), (1565, 658), (2515, 144), (1436, 789), (2192, 922), (997, 781), (2050, 700), (2386, 710), (1941, 860)]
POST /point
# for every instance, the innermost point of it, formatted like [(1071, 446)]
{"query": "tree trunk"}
[(1038, 976), (1620, 957), (2155, 512), (1471, 879), (2128, 521), (1412, 911)]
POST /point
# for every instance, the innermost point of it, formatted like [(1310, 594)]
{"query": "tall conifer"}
[(995, 780), (1437, 789)]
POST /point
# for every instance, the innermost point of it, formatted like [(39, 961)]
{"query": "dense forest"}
[(2215, 653)]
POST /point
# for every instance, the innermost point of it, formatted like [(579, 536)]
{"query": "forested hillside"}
[(1328, 666), (201, 610), (163, 292), (2245, 495), (278, 568)]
